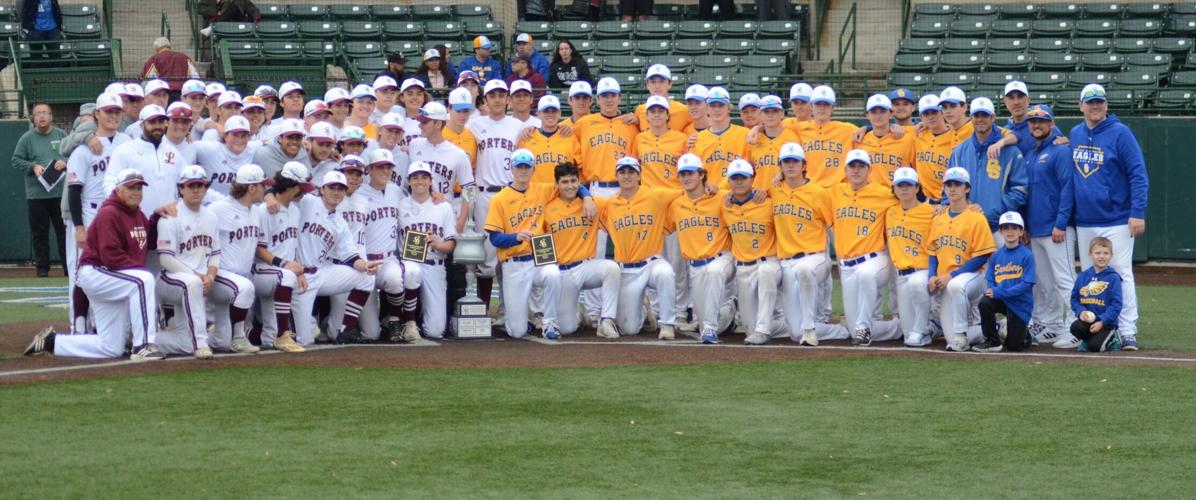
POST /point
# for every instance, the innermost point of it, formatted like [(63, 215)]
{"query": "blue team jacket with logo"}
[(1110, 181)]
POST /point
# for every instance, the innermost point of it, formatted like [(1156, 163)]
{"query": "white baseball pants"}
[(657, 274), (1055, 275), (120, 301), (801, 282), (758, 284), (393, 277), (518, 280), (481, 208), (266, 279), (183, 291), (712, 292), (432, 295), (960, 301), (329, 280), (862, 285), (1123, 263), (593, 298), (229, 289), (590, 274), (913, 302)]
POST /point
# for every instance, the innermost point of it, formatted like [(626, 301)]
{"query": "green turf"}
[(29, 312), (834, 428)]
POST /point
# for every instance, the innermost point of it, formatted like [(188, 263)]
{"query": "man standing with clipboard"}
[(36, 156)]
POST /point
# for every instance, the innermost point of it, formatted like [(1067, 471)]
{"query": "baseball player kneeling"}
[(189, 253), (705, 244), (753, 243), (399, 281), (907, 226), (960, 243), (419, 212), (240, 234), (277, 274)]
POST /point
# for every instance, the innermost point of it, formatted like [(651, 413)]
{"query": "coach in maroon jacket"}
[(166, 64)]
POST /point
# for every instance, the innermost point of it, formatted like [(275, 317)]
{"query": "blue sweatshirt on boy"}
[(1110, 180), (998, 186), (1011, 277), (1051, 199), (1099, 293)]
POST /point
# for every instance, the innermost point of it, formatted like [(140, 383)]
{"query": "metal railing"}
[(164, 28), (824, 7), (906, 7), (107, 12), (852, 20)]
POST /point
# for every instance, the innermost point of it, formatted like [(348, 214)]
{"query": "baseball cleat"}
[(351, 336), (756, 338), (552, 333), (666, 332), (392, 331), (1068, 342), (608, 330), (243, 345), (410, 331), (1129, 342), (709, 337), (957, 347), (322, 337), (917, 340), (203, 353), (42, 342), (809, 338), (687, 326), (286, 343), (1048, 336), (988, 345), (862, 338), (147, 352)]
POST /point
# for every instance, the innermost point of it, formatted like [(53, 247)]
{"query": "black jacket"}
[(29, 14), (562, 75)]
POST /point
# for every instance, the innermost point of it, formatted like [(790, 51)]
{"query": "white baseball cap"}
[(521, 86), (548, 102), (905, 175), (822, 93), (696, 92), (391, 120), (432, 111), (792, 151), (749, 100), (412, 82), (417, 167), (659, 70), (740, 167), (179, 110), (381, 155), (191, 87), (1016, 86), (771, 102), (152, 111), (335, 95), (334, 177), (118, 88), (929, 102), (523, 38), (315, 106), (608, 85), (627, 162), (957, 174), (719, 95), (431, 54), (291, 126), (322, 130), (265, 91), (1092, 92), (156, 85), (656, 101), (193, 174), (523, 157), (460, 99), (250, 174), (879, 101), (383, 82), (109, 101), (952, 94), (229, 97), (351, 133), (580, 88), (130, 176), (858, 155), (362, 91), (133, 90), (1011, 217), (982, 105), (297, 172), (252, 102), (351, 162), (289, 87), (214, 89), (800, 91), (494, 84), (235, 123), (689, 162)]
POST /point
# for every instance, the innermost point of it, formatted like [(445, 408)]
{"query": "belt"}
[(702, 262), (934, 201), (456, 195), (637, 265), (749, 263), (601, 184), (566, 267), (310, 270), (858, 260), (907, 272), (521, 258), (490, 189), (434, 262), (797, 256), (378, 256)]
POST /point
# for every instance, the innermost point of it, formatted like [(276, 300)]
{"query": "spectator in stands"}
[(772, 10), (521, 69), (567, 66), (435, 73), (166, 64), (535, 10), (481, 63), (726, 9), (637, 9), (395, 67), (446, 58), (229, 11), (36, 156), (523, 45), (41, 20)]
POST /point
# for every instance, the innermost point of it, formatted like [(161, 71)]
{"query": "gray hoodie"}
[(271, 158)]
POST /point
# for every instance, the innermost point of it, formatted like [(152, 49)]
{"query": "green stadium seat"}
[(537, 29), (697, 29), (997, 78), (277, 29), (281, 51), (361, 30), (1096, 28), (392, 12), (594, 62), (964, 45), (1183, 8), (928, 29), (919, 45), (1127, 98), (945, 79), (458, 47), (272, 11), (1182, 25), (81, 28), (677, 63), (1008, 45), (737, 29), (716, 62), (1131, 45), (680, 80), (1173, 45), (978, 9), (1153, 10), (1090, 45), (9, 30), (1146, 27), (970, 27), (654, 47), (655, 29), (961, 62), (993, 93), (778, 29), (545, 47), (915, 62), (624, 64), (79, 10), (752, 81), (1039, 45), (92, 49), (229, 30), (627, 79), (935, 9), (7, 12), (484, 27), (1045, 79), (1102, 62), (1190, 62), (1019, 10), (1011, 28), (1174, 98), (1054, 61), (403, 30), (573, 30), (909, 80), (734, 46), (1062, 10), (1044, 97), (1183, 79), (368, 66), (777, 64), (1079, 79), (302, 11), (320, 49), (745, 11), (693, 46), (613, 30), (1103, 10), (1008, 61), (585, 46), (946, 18), (1052, 27), (711, 77), (428, 12), (668, 11), (319, 29), (1136, 79), (357, 49), (776, 47), (1148, 60), (348, 12), (472, 11), (614, 47), (446, 30), (243, 49)]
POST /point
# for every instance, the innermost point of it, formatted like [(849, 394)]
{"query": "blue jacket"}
[(999, 186), (1110, 180), (1025, 140), (539, 64), (1011, 277), (486, 70), (1051, 198), (1099, 293)]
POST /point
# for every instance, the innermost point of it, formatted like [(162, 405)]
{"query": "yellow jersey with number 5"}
[(909, 235), (800, 216), (637, 225), (699, 225), (860, 218), (750, 225), (955, 240)]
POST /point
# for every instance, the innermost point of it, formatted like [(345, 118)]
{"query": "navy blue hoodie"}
[(1099, 293), (1110, 181), (1051, 199)]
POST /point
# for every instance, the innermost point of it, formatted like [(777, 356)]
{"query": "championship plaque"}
[(543, 249), (415, 246)]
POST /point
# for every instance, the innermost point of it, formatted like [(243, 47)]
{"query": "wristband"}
[(277, 261)]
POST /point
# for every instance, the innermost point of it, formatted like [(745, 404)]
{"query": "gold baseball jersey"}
[(717, 150), (955, 240), (658, 156), (859, 218), (603, 141), (826, 146), (764, 155), (512, 211), (572, 233), (888, 154), (699, 225), (962, 134), (678, 116), (803, 128), (909, 234), (800, 216), (931, 160), (750, 225), (637, 225), (550, 151), (466, 141)]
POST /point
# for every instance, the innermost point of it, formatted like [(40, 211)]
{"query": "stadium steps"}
[(878, 24)]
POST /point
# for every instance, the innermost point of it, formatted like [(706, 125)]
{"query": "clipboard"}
[(50, 178), (415, 246)]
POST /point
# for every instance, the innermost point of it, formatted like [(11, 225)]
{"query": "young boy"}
[(1096, 301), (1010, 282)]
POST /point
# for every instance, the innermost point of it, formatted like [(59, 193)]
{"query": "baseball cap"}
[(412, 82), (333, 177), (981, 105), (362, 91), (467, 75), (521, 86), (523, 38), (548, 102), (879, 101), (627, 162), (482, 42), (460, 99), (236, 123), (179, 111), (118, 88), (792, 151), (749, 100), (656, 101), (109, 101), (252, 102), (322, 130), (1011, 217), (608, 85), (659, 70), (1016, 86), (929, 102), (289, 87), (351, 133), (191, 87), (858, 155), (952, 94), (418, 167), (383, 82), (771, 102), (351, 162), (133, 90), (697, 92), (1040, 112), (396, 57), (292, 126), (493, 85), (381, 155), (719, 95), (229, 97), (156, 86), (391, 120), (130, 176), (957, 174), (193, 174), (522, 157), (1092, 92), (740, 167), (902, 94), (431, 54), (335, 95), (580, 88), (152, 111), (689, 162), (265, 91), (250, 174), (800, 91), (214, 89), (297, 172), (905, 175), (314, 106), (432, 111), (822, 93)]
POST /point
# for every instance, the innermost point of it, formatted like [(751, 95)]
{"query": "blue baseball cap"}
[(1040, 112), (523, 157), (719, 95), (903, 94)]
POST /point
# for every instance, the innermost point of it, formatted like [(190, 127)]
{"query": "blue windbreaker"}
[(998, 186), (1109, 180)]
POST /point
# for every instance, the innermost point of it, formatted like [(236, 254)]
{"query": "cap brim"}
[(413, 172), (140, 182), (725, 102), (575, 94), (296, 132), (463, 107), (931, 108), (153, 117), (546, 108), (113, 106), (905, 181), (802, 158), (1094, 98), (626, 167), (229, 131), (689, 169), (822, 101), (524, 165)]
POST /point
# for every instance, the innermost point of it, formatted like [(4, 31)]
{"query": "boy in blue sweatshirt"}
[(1010, 289), (1096, 301)]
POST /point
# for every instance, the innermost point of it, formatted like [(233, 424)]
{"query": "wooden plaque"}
[(415, 246), (543, 249)]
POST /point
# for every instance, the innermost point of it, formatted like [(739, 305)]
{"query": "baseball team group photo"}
[(695, 244)]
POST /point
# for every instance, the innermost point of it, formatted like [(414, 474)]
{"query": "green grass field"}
[(832, 428)]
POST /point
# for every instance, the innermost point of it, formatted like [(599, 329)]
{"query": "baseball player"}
[(178, 133), (763, 152), (548, 145), (112, 274), (825, 141), (888, 151), (749, 110), (413, 96), (222, 160), (419, 212), (156, 160), (253, 109), (338, 105), (450, 165), (277, 274), (521, 103), (331, 261), (724, 141), (960, 243), (803, 112), (904, 104), (269, 97), (189, 254), (364, 102), (859, 211), (398, 281), (934, 145), (353, 211), (955, 111), (317, 111), (604, 139), (907, 226), (696, 220), (240, 233), (801, 213), (352, 141), (581, 100), (659, 80), (286, 146), (390, 138), (695, 104), (515, 216), (386, 89), (753, 244), (228, 106), (321, 148)]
